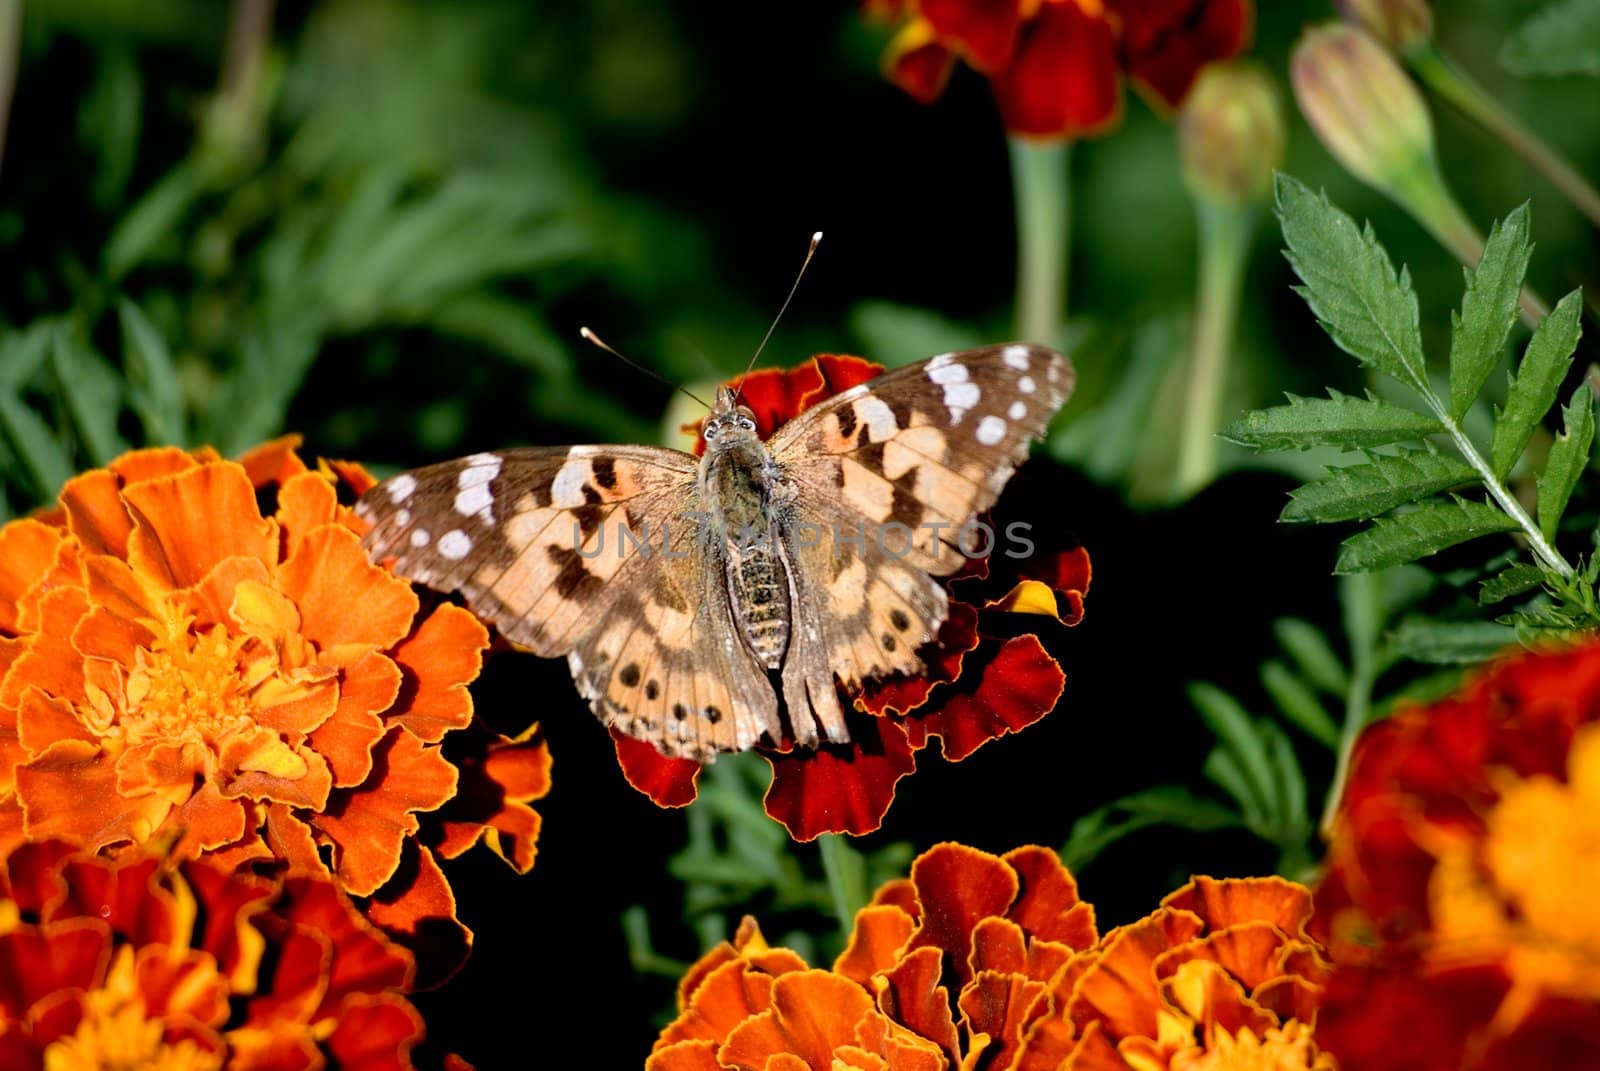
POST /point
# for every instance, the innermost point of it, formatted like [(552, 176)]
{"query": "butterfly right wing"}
[(533, 539)]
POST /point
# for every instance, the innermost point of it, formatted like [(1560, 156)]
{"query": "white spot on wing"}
[(402, 517), (472, 499), (1016, 357), (1026, 385), (991, 429), (401, 487), (947, 372), (936, 363), (420, 537), (960, 397), (566, 490), (454, 544), (878, 417), (1017, 411)]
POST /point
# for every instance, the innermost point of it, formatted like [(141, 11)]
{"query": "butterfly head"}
[(729, 421)]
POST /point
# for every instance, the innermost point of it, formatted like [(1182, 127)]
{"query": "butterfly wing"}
[(907, 459), (588, 552)]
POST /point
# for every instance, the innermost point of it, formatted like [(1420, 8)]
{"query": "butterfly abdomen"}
[(759, 586)]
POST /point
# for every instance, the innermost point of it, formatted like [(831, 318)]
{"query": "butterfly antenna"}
[(594, 339), (811, 250)]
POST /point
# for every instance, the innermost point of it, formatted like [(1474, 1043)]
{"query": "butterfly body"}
[(707, 604)]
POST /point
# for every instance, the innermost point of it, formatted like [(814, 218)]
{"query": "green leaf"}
[(1240, 738), (1170, 805), (1338, 420), (1290, 782), (1450, 642), (92, 391), (44, 458), (1513, 581), (1223, 769), (1569, 456), (1426, 530), (152, 380), (1564, 38), (1533, 390), (1361, 491), (1312, 654), (1299, 703), (23, 353), (1365, 307), (1489, 308)]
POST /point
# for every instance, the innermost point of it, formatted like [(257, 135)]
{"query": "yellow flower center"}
[(117, 1034), (1286, 1048), (187, 682)]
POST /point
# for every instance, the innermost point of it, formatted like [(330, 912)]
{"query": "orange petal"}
[(899, 1048), (138, 466), (363, 960), (499, 778), (95, 512), (122, 616), (368, 824), (418, 908), (1206, 994), (439, 660), (208, 821), (912, 996), (259, 764), (1223, 902), (347, 738), (695, 1054), (1249, 951), (726, 997), (1048, 905), (230, 901), (28, 551), (70, 791), (998, 945), (51, 664), (44, 719), (880, 933), (343, 597), (957, 886), (813, 1013), (181, 984), (274, 462), (306, 501), (375, 1033), (215, 600), (38, 961), (1120, 988), (186, 523), (999, 1005)]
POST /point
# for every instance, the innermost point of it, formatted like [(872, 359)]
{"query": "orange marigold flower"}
[(141, 961), (1056, 65), (993, 961), (1459, 897), (199, 648), (978, 687)]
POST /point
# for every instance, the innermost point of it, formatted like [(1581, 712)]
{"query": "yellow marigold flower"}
[(178, 661)]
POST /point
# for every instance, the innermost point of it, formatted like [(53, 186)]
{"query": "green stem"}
[(1502, 494), (1041, 183), (1362, 597), (10, 47), (1224, 250), (846, 873), (1446, 79)]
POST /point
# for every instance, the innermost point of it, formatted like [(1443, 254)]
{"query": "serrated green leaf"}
[(1450, 642), (1312, 654), (1171, 805), (1368, 309), (1361, 491), (1488, 309), (43, 457), (1564, 38), (1533, 390), (1426, 530), (92, 391), (152, 380), (1339, 420), (1299, 703), (1239, 736), (1514, 581), (1569, 456)]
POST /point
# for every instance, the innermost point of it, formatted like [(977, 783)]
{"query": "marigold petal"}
[(364, 959), (70, 791), (259, 764), (1248, 951), (1020, 686), (1206, 994), (840, 788), (439, 660), (368, 824), (1403, 1021), (999, 1005), (290, 840), (1048, 905), (184, 524), (306, 500), (901, 893), (669, 782), (138, 466), (181, 987), (28, 552), (1120, 988), (694, 1054), (38, 961), (418, 908), (375, 1033), (43, 719), (347, 738), (899, 1048), (985, 31), (899, 694), (724, 998), (208, 821), (918, 62), (50, 663), (1226, 901), (1166, 42), (216, 599), (95, 514), (998, 945), (813, 1013), (499, 778), (1062, 81), (912, 996), (879, 934), (956, 887), (231, 901), (343, 597), (273, 462)]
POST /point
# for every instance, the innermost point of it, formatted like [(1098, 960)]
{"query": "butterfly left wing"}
[(927, 447)]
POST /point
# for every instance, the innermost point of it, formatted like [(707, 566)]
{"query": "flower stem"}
[(1451, 83), (10, 47), (846, 873), (1224, 249), (1041, 184), (1361, 598)]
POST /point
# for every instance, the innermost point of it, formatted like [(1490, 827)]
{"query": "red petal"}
[(918, 64), (668, 782), (957, 886), (983, 31), (375, 1034), (840, 788), (1404, 1021), (998, 1005), (900, 694), (37, 961), (1062, 82), (1048, 906), (1020, 686), (1166, 42), (777, 396)]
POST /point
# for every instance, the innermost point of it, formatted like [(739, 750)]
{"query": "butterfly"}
[(709, 604)]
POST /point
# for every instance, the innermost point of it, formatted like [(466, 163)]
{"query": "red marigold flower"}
[(1459, 895), (1056, 65), (142, 961), (993, 961), (176, 661), (979, 688)]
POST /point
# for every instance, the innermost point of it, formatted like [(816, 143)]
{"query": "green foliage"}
[(1564, 38), (1370, 310)]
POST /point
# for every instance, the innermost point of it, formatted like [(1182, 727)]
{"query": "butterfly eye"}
[(747, 424), (712, 427)]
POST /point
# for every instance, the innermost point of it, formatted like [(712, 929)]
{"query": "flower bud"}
[(1400, 24), (1363, 107), (1231, 134)]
